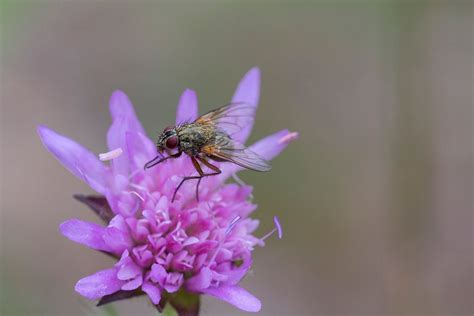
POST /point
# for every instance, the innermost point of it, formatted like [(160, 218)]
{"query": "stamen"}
[(288, 138), (178, 226), (136, 194), (268, 235), (111, 154), (241, 183), (238, 180), (134, 173), (145, 191), (219, 246), (214, 255), (137, 186), (232, 225), (277, 228)]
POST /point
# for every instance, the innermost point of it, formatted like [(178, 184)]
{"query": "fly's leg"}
[(210, 166), (198, 169), (201, 175), (197, 188), (159, 159)]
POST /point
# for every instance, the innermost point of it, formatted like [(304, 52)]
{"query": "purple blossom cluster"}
[(163, 247)]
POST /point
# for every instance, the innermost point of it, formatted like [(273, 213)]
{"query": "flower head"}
[(163, 247)]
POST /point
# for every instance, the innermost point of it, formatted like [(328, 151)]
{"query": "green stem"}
[(184, 302)]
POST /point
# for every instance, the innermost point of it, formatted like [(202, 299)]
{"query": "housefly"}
[(210, 138)]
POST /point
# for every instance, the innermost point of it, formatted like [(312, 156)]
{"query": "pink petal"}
[(123, 121), (267, 148), (140, 149), (122, 203), (187, 107), (158, 274), (117, 240), (236, 296), (271, 146), (119, 222), (237, 273), (248, 91), (173, 282), (190, 241), (120, 106), (116, 138), (128, 270), (133, 284), (88, 234), (124, 258), (78, 160), (102, 283), (200, 281), (153, 292)]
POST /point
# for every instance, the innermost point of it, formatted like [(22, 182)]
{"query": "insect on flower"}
[(173, 252), (209, 137)]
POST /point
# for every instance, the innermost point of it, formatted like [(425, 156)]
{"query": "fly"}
[(209, 138)]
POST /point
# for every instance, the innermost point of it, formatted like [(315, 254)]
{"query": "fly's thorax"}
[(192, 137)]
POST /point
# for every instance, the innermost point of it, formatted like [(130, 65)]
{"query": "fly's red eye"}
[(172, 142)]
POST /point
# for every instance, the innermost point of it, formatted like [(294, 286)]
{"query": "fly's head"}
[(168, 140)]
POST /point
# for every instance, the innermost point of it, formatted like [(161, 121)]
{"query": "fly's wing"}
[(228, 150), (230, 118)]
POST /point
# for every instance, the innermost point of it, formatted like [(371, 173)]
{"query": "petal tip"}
[(289, 137), (236, 296), (71, 229), (252, 77), (99, 284), (82, 287), (44, 131), (119, 103), (78, 288), (256, 308), (254, 71), (65, 226), (188, 91), (187, 109), (118, 94), (40, 128)]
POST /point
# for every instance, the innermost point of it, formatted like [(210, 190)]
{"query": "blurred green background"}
[(375, 198)]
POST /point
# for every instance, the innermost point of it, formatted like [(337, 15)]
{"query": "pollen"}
[(111, 154)]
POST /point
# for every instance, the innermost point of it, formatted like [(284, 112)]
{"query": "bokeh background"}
[(376, 197)]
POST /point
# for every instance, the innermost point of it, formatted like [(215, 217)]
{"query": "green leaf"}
[(169, 311), (108, 310)]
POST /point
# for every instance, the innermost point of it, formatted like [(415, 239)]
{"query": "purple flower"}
[(165, 248)]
